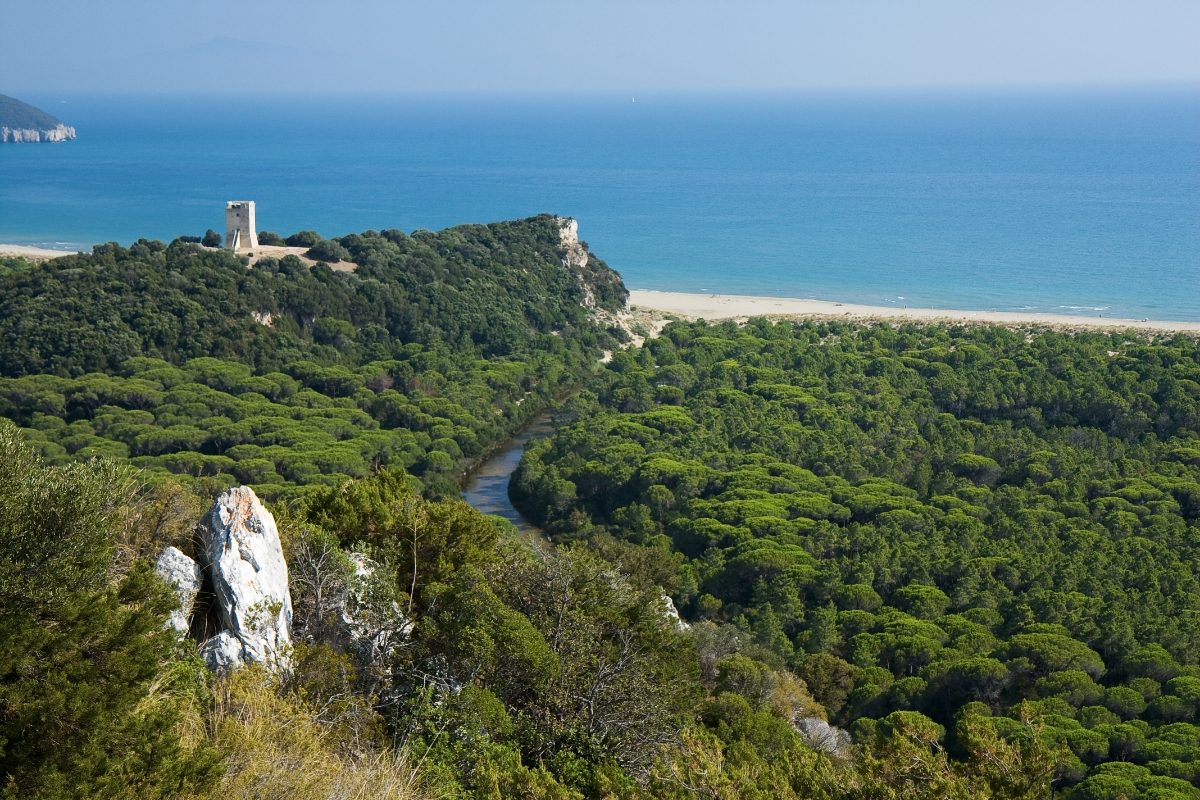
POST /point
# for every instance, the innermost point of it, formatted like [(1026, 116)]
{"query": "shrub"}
[(303, 239), (328, 251)]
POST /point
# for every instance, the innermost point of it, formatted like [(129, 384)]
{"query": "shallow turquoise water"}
[(1073, 203)]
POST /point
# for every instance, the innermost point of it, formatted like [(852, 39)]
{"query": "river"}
[(487, 488)]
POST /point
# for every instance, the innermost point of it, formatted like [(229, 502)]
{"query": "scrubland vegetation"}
[(525, 673), (973, 549)]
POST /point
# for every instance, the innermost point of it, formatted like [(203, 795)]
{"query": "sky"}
[(568, 46)]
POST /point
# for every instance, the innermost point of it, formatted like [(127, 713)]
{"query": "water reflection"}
[(487, 490)]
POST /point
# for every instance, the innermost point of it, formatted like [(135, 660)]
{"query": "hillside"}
[(925, 562), (21, 122), (281, 375)]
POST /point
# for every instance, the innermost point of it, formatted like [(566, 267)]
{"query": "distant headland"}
[(21, 122)]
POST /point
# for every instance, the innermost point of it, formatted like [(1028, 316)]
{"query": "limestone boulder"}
[(183, 574), (671, 614), (223, 652), (249, 579)]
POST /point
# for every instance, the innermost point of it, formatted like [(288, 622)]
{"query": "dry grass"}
[(153, 516), (275, 748)]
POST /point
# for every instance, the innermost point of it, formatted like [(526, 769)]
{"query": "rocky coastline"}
[(59, 133)]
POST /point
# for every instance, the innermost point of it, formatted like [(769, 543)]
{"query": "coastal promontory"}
[(21, 122)]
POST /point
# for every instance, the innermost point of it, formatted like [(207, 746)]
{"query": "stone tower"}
[(239, 225)]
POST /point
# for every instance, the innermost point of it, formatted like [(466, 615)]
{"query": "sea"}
[(1066, 201)]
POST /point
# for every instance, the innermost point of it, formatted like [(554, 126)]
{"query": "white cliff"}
[(671, 614), (575, 256), (59, 133), (244, 559), (568, 235), (21, 122)]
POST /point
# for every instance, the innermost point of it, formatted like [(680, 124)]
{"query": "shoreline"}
[(717, 307), (26, 251), (692, 305)]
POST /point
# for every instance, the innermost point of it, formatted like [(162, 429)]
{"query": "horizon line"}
[(648, 92)]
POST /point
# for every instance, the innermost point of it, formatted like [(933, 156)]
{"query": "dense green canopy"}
[(281, 375), (489, 290), (973, 548), (917, 518)]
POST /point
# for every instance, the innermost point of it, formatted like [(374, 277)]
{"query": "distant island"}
[(21, 122)]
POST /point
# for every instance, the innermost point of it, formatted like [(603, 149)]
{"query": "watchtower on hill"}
[(240, 233)]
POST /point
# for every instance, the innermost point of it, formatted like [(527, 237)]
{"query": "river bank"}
[(486, 488)]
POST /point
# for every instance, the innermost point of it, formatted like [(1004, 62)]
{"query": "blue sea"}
[(1058, 201)]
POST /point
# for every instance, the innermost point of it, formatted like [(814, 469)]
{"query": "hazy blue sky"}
[(625, 46)]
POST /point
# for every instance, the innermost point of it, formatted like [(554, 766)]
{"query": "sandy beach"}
[(32, 252), (730, 306), (693, 305)]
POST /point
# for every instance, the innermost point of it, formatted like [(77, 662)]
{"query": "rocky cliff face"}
[(59, 133), (568, 233), (575, 256), (671, 615), (21, 122)]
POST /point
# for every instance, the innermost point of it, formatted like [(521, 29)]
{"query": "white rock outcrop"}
[(575, 255), (244, 559), (59, 133), (222, 652), (671, 614), (184, 575), (568, 237)]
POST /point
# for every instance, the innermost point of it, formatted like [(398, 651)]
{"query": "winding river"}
[(487, 488)]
